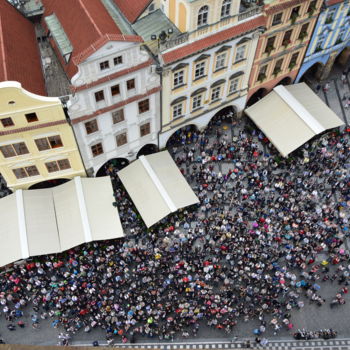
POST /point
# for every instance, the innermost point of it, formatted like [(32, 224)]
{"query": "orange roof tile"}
[(132, 9), (87, 25), (19, 52), (212, 40), (333, 2)]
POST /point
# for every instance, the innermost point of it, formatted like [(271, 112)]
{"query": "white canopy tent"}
[(52, 220), (291, 115), (156, 186)]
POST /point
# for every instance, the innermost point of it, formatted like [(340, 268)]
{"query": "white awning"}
[(48, 221), (156, 186), (291, 115)]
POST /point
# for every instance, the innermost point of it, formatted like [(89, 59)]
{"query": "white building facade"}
[(115, 106)]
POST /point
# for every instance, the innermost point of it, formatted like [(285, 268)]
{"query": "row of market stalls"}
[(49, 221)]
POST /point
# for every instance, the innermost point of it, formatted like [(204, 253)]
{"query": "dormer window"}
[(203, 16)]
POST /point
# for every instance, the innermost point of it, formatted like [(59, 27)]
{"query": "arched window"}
[(203, 16), (225, 8)]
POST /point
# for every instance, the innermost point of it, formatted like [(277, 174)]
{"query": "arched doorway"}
[(147, 149), (48, 184), (314, 72), (182, 136), (226, 115), (285, 81), (259, 94), (115, 164)]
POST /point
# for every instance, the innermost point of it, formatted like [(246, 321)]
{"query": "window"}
[(303, 31), (312, 6), (58, 165), (118, 60), (262, 73), (215, 94), (319, 45), (48, 142), (21, 173), (197, 101), (7, 151), (115, 90), (234, 84), (330, 17), (202, 18), (293, 60), (270, 44), (220, 61), (145, 129), (99, 96), (294, 14), (144, 106), (7, 122), (31, 117), (286, 38), (55, 141), (104, 65), (16, 149), (151, 8), (91, 126), (97, 149), (278, 66), (130, 84), (177, 110), (225, 8), (277, 19), (240, 53), (340, 36), (122, 139), (199, 70), (118, 116), (178, 78), (20, 148)]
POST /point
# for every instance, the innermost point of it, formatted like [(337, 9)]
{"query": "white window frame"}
[(225, 8), (215, 93), (240, 53), (179, 78), (234, 85), (197, 101), (202, 17), (199, 67), (220, 61), (177, 110)]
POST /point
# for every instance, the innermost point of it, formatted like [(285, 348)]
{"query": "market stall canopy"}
[(49, 221), (156, 186), (291, 115)]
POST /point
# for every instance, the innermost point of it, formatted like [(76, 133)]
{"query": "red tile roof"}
[(212, 40), (333, 2), (19, 52), (87, 25), (284, 6), (132, 9)]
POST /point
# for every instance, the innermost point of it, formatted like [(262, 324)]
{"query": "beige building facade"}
[(37, 143)]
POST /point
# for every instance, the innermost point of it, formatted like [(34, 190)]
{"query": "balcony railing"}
[(250, 13), (180, 39)]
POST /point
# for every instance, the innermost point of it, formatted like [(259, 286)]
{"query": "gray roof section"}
[(154, 23), (59, 34)]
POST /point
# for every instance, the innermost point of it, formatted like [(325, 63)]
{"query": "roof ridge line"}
[(3, 54), (89, 16)]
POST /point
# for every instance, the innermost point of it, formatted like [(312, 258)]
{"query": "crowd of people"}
[(249, 250)]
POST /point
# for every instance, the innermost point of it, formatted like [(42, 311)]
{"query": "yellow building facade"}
[(36, 141)]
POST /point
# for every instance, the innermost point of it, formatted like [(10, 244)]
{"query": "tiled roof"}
[(281, 7), (333, 2), (132, 9), (88, 26), (113, 76), (19, 52), (212, 40)]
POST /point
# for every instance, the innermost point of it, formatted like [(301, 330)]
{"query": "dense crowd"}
[(249, 250)]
